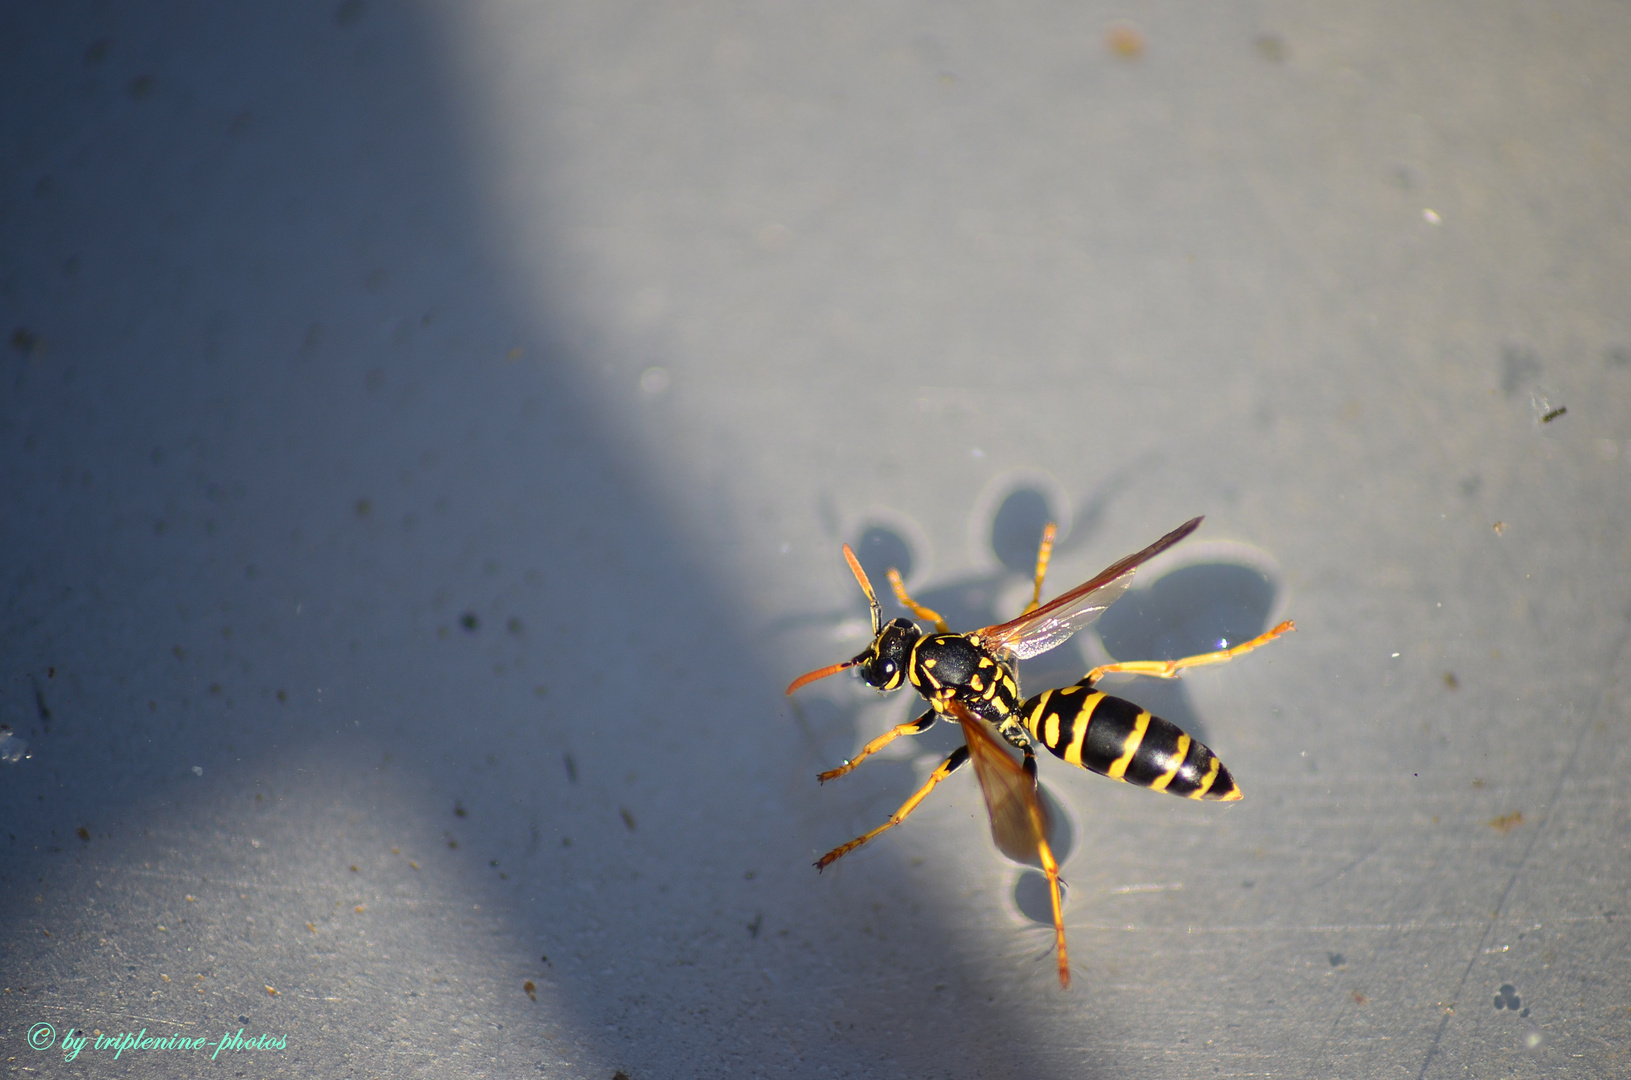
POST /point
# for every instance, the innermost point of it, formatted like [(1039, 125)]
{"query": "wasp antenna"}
[(819, 673), (866, 587)]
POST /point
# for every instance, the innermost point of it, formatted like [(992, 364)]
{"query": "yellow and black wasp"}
[(970, 679)]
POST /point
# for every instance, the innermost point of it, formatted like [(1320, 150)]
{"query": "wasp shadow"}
[(1195, 609)]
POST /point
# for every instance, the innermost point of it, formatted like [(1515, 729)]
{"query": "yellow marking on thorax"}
[(1160, 783), (975, 681), (1073, 752), (1207, 781), (1135, 739)]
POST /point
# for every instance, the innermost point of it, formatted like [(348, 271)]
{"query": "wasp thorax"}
[(884, 663)]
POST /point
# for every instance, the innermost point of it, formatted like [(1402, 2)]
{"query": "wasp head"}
[(883, 664)]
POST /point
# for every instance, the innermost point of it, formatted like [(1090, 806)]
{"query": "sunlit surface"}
[(427, 436)]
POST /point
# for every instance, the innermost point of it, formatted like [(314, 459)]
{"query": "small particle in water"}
[(1506, 823), (1500, 528), (1554, 414), (198, 770), (1359, 999), (654, 381), (1336, 959), (571, 767), (271, 992), (1451, 681), (469, 621), (1507, 997), (458, 809), (13, 747), (83, 833), (628, 818), (531, 989), (1124, 40)]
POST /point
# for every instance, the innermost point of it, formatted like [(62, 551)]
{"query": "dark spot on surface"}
[(530, 989), (347, 12), (24, 340), (628, 818), (83, 833), (514, 625), (1519, 364), (1506, 822), (620, 1075), (1507, 998), (1470, 486), (458, 809), (748, 875), (354, 870), (1451, 681), (281, 696), (364, 507), (753, 927), (140, 87), (40, 706), (1271, 47), (1336, 959), (571, 767), (97, 51), (469, 621), (1617, 355), (452, 843), (1247, 884)]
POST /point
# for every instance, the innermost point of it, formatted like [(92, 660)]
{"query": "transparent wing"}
[(1051, 624)]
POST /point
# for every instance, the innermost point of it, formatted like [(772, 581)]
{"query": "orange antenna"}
[(877, 623), (866, 587)]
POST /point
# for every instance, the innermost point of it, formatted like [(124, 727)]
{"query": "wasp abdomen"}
[(1116, 738)]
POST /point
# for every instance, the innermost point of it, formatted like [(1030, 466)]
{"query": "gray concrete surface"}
[(427, 433)]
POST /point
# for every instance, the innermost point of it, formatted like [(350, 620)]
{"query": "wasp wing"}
[(1019, 822), (1051, 624), (1018, 819)]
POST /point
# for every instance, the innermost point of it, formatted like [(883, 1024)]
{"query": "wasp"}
[(971, 679)]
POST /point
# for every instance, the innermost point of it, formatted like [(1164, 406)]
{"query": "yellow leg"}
[(1050, 865), (926, 614), (1044, 552), (946, 768), (916, 727), (1168, 669)]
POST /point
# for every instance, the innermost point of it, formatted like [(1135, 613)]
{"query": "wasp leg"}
[(1044, 552), (1168, 669), (947, 767), (916, 727), (926, 614), (1014, 734), (1050, 866)]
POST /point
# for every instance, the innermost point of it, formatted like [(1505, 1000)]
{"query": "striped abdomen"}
[(1116, 738)]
